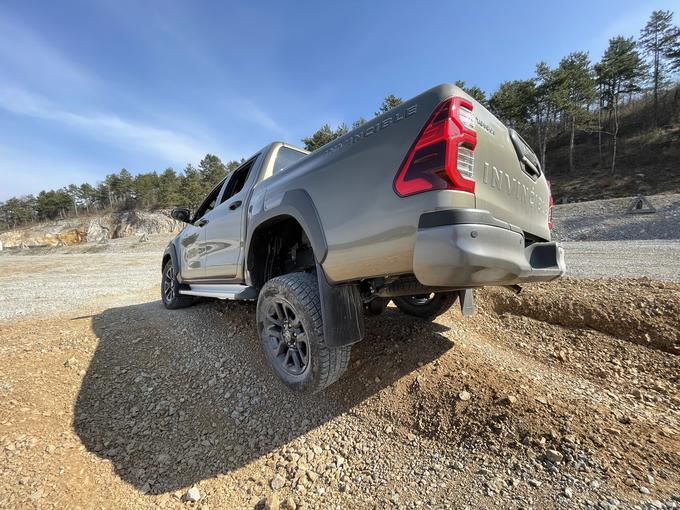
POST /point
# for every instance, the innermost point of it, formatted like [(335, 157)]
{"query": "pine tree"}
[(358, 123), (476, 92), (544, 108), (621, 72), (73, 192), (193, 187), (658, 40), (388, 103), (168, 189), (323, 136), (574, 90), (212, 170), (86, 194), (512, 103)]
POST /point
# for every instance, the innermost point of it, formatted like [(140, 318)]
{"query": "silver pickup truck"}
[(419, 206)]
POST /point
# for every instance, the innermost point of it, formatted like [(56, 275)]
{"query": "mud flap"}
[(467, 301), (341, 312)]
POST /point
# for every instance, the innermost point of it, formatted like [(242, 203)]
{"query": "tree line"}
[(120, 191), (581, 96), (575, 96)]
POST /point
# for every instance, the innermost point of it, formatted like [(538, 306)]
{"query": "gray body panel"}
[(343, 197)]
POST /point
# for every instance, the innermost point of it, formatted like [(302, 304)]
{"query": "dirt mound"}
[(566, 387), (644, 311)]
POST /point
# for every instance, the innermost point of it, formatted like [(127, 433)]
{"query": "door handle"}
[(202, 222), (235, 205)]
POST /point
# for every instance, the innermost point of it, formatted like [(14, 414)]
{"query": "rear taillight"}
[(443, 155), (550, 206)]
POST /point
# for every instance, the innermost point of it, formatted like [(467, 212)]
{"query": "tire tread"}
[(333, 361)]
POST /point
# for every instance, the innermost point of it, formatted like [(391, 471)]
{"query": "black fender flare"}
[(171, 250), (299, 205)]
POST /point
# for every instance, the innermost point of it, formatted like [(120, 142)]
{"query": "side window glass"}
[(237, 180), (285, 158), (209, 203)]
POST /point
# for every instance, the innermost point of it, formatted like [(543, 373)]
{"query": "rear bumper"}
[(471, 248)]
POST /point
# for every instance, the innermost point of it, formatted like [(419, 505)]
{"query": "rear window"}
[(286, 157)]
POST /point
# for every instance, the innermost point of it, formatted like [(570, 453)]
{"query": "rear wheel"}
[(291, 334), (426, 306), (170, 295)]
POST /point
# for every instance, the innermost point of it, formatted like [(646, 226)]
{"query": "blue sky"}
[(89, 87)]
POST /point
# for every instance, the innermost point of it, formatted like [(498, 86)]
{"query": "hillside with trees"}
[(601, 128), (119, 192)]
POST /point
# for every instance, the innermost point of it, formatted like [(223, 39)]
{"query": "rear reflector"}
[(443, 154)]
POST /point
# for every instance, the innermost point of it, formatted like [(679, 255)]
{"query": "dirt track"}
[(567, 396)]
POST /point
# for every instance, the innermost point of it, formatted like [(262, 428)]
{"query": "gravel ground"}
[(54, 284), (545, 400), (39, 285), (606, 220), (625, 259), (50, 282)]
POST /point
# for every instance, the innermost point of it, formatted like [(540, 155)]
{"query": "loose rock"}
[(277, 482), (193, 495), (554, 456)]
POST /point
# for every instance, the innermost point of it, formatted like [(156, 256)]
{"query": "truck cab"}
[(211, 244)]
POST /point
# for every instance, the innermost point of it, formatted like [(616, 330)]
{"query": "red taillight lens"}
[(443, 155), (550, 207)]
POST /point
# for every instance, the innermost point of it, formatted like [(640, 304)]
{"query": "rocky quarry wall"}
[(90, 229)]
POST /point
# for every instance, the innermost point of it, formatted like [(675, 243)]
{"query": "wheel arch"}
[(295, 215), (170, 253)]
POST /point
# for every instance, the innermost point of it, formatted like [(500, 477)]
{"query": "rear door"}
[(509, 181), (223, 242)]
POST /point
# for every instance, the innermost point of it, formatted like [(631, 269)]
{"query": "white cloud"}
[(26, 56), (249, 111), (170, 145)]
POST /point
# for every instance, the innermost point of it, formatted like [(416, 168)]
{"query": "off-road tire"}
[(439, 304), (299, 292), (376, 306), (170, 295)]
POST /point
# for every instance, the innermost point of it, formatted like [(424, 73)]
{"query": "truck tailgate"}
[(512, 191)]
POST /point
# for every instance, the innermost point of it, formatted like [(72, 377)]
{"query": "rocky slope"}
[(90, 229)]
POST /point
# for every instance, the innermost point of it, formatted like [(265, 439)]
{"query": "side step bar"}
[(221, 291)]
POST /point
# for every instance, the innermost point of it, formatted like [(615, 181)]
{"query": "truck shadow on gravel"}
[(175, 397)]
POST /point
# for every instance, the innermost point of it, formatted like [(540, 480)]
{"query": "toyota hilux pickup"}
[(419, 205)]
